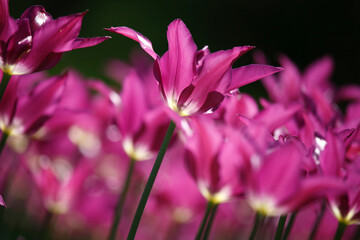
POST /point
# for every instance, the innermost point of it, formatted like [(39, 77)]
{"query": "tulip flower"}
[(195, 81), (26, 114), (36, 41)]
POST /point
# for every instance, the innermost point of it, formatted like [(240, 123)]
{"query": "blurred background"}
[(303, 30)]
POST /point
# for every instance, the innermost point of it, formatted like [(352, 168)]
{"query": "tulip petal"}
[(138, 37), (215, 74), (37, 17), (87, 42), (250, 73), (2, 202), (54, 37), (179, 67), (40, 103)]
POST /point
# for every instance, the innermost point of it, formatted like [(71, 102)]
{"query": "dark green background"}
[(302, 30)]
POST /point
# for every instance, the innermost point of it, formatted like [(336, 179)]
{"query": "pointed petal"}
[(179, 67), (130, 33), (250, 73), (216, 72), (133, 105), (290, 81), (63, 31), (318, 73), (87, 42)]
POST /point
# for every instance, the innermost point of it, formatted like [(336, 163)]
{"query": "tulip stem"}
[(317, 221), (150, 181), (280, 227), (210, 222), (3, 84), (3, 140), (357, 234), (258, 222), (121, 201), (48, 225), (289, 226), (340, 231), (200, 231)]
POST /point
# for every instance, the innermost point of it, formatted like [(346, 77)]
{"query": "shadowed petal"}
[(9, 101), (19, 43), (314, 188)]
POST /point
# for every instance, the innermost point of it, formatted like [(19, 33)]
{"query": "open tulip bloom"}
[(36, 41), (195, 81)]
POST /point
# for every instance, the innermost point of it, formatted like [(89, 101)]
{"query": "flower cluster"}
[(76, 153)]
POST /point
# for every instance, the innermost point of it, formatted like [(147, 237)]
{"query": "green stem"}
[(121, 201), (3, 140), (340, 231), (200, 231), (210, 222), (259, 220), (357, 234), (48, 225), (280, 227), (317, 221), (3, 84), (289, 226), (150, 181)]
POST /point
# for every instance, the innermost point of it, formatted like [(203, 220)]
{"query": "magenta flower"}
[(276, 184), (25, 114), (311, 88), (334, 162), (141, 126), (36, 41), (213, 160), (195, 81), (58, 180)]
